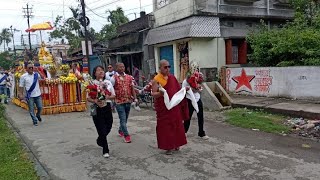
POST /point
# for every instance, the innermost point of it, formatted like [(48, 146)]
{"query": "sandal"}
[(169, 152)]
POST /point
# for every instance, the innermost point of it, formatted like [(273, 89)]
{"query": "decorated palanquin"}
[(62, 91)]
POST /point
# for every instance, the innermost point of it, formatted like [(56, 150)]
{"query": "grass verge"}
[(14, 162), (257, 120)]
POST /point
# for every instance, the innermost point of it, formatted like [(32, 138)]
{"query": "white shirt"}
[(9, 81), (26, 81), (196, 93), (109, 87), (109, 75), (4, 82)]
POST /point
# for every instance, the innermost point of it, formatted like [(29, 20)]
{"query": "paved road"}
[(65, 146)]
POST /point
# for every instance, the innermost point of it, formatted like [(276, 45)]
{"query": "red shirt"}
[(123, 88)]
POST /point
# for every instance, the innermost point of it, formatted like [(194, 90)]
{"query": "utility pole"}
[(14, 47), (28, 14), (85, 31), (64, 17)]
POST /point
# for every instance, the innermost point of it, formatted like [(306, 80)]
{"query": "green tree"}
[(295, 44), (5, 60), (68, 29), (5, 38), (117, 18)]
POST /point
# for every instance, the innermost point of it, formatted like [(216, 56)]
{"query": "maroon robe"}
[(170, 129)]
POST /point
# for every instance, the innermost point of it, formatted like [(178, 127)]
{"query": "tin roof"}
[(195, 26)]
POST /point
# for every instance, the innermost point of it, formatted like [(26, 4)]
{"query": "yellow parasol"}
[(40, 27)]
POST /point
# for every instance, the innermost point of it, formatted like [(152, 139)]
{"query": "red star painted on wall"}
[(243, 80)]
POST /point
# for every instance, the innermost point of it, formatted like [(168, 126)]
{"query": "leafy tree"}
[(5, 37), (5, 60), (295, 44), (71, 30), (117, 18)]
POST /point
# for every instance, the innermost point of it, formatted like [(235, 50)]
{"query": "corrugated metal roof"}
[(125, 53), (196, 26), (131, 38)]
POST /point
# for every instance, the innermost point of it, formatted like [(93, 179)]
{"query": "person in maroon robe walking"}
[(170, 130)]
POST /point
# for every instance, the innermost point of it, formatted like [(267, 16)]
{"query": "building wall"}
[(174, 11), (209, 53), (290, 82), (178, 9)]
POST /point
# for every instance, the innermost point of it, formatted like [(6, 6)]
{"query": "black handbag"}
[(93, 110)]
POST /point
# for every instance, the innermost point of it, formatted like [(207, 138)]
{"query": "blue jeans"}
[(3, 90), (123, 113), (38, 102)]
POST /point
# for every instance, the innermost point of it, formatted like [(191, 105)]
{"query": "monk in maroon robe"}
[(170, 129)]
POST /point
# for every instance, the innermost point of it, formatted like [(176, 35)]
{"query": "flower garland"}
[(98, 91), (64, 67), (195, 80)]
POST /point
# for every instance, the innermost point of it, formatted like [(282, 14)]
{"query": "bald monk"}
[(170, 129)]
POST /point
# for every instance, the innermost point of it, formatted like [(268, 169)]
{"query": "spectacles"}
[(30, 67), (167, 67), (109, 67)]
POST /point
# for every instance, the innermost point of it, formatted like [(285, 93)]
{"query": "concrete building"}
[(59, 50), (210, 32), (128, 46)]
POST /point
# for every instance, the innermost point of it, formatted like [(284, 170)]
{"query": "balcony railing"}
[(245, 11), (243, 1), (282, 2)]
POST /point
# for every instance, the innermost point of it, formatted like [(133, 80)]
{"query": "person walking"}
[(103, 119), (110, 72), (29, 83), (10, 84), (196, 92), (170, 130), (3, 87), (125, 93), (136, 74)]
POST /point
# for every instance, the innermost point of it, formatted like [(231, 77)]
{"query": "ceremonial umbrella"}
[(40, 27)]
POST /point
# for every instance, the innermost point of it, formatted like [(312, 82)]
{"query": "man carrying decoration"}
[(194, 80)]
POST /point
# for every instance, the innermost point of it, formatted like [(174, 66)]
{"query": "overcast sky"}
[(44, 10)]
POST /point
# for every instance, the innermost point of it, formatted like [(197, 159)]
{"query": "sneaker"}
[(106, 155), (35, 124), (39, 119), (121, 134), (205, 137), (127, 139)]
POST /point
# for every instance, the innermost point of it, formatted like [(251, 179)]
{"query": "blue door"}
[(166, 52), (94, 61)]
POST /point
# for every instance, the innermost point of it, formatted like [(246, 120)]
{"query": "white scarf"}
[(178, 97)]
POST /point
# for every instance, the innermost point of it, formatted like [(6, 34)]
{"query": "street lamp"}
[(12, 33)]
